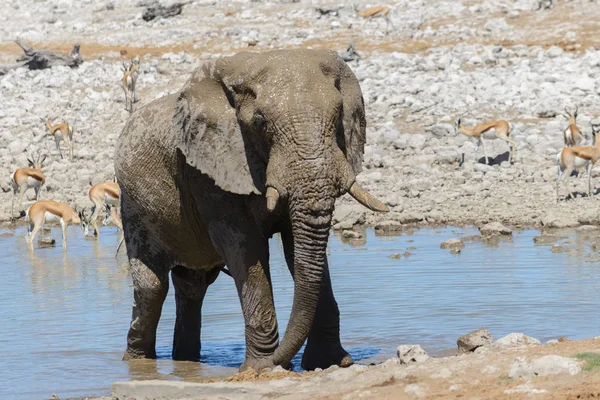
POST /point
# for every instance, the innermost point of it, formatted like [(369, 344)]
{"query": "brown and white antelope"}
[(26, 178), (101, 194), (113, 218), (575, 158), (491, 130), (129, 80), (51, 211), (373, 12), (572, 135), (60, 132)]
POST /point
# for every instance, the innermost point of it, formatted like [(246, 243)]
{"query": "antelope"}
[(61, 132), (128, 81), (113, 218), (501, 131), (101, 194), (26, 178), (50, 211), (376, 11), (574, 158), (572, 135)]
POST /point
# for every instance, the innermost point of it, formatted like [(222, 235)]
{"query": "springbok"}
[(113, 218), (574, 158), (26, 178), (572, 135), (101, 194), (60, 132), (50, 211), (128, 81), (376, 11), (501, 131)]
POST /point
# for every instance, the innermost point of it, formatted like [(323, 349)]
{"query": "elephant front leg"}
[(149, 293), (190, 289), (262, 334), (323, 348), (248, 262)]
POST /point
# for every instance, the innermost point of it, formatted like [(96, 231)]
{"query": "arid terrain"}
[(440, 60)]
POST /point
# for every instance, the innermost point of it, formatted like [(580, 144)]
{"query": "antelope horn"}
[(576, 111), (367, 199), (567, 111), (272, 197)]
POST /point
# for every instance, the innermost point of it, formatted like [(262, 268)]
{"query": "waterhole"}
[(65, 315)]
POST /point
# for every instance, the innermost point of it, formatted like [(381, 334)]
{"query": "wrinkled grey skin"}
[(193, 168)]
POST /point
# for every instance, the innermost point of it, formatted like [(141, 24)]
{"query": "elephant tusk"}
[(367, 199), (272, 197)]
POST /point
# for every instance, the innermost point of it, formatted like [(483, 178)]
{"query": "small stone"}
[(545, 239), (492, 240), (47, 242), (452, 244), (348, 234), (455, 251), (6, 234), (388, 226), (414, 390), (557, 248), (411, 353), (395, 256), (563, 339), (471, 341), (495, 228)]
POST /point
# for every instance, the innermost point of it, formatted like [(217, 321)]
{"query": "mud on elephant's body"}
[(252, 145)]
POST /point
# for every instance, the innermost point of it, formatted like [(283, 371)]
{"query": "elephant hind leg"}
[(190, 289), (150, 287)]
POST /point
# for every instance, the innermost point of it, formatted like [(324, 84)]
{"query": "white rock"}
[(473, 340), (525, 388), (585, 83), (513, 340), (544, 366), (415, 390), (411, 353)]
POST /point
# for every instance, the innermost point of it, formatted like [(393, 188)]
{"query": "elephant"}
[(252, 145)]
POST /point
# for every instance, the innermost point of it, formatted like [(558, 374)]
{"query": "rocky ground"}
[(478, 59), (513, 367), (440, 60)]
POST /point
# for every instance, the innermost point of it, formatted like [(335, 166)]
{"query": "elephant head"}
[(289, 125)]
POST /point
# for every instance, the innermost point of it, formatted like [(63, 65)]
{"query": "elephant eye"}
[(259, 121)]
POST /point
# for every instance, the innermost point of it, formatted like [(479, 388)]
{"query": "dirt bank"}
[(562, 370)]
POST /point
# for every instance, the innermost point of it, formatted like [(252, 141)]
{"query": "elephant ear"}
[(208, 135), (352, 137)]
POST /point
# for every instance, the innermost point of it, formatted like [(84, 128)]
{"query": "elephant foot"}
[(262, 364), (324, 355), (131, 354)]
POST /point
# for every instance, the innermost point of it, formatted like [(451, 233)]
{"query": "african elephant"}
[(252, 145)]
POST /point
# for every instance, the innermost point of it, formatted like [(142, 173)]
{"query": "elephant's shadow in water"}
[(232, 355)]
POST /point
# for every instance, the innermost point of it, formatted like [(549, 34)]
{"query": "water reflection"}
[(65, 314)]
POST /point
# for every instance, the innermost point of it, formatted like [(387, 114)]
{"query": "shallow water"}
[(65, 315)]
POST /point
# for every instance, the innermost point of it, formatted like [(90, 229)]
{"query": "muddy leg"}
[(150, 287), (190, 288)]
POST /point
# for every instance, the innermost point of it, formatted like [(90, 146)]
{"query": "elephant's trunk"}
[(311, 221)]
